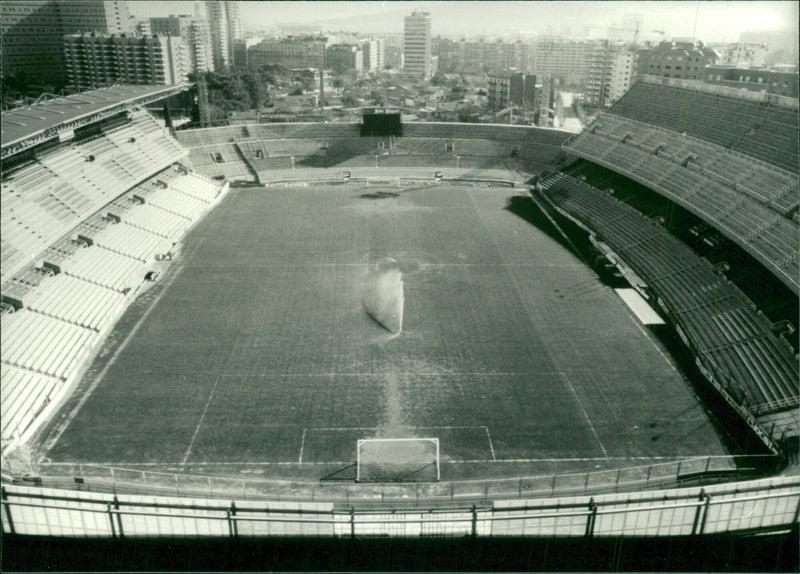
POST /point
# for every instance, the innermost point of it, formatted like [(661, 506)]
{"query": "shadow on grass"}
[(379, 195), (569, 236), (345, 474)]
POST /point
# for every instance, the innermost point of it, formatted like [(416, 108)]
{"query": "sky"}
[(710, 21)]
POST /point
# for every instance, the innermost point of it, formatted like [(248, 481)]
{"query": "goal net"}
[(397, 460)]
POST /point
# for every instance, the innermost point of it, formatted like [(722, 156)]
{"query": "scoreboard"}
[(381, 122)]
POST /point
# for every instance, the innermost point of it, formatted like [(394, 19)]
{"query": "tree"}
[(376, 98), (242, 90), (349, 101), (438, 79)]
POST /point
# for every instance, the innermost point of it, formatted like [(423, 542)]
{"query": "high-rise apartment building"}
[(32, 31), (481, 56), (97, 60), (622, 64), (417, 44), (373, 54), (290, 52), (225, 27), (194, 33), (565, 60), (610, 72)]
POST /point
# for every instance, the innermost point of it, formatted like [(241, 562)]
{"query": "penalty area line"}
[(302, 445), (491, 446), (585, 414), (200, 422)]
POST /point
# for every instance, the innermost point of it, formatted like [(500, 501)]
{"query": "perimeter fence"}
[(684, 472), (760, 506)]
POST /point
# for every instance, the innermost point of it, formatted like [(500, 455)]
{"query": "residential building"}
[(97, 60), (622, 65), (743, 54), (498, 89), (195, 35), (683, 59), (464, 56), (610, 72), (141, 27), (393, 56), (344, 57), (240, 54), (290, 52), (417, 44), (372, 50), (782, 46), (599, 77), (565, 60), (510, 87), (31, 33), (778, 81), (225, 27)]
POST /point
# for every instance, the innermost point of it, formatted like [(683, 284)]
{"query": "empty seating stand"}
[(131, 241), (721, 323), (45, 198), (260, 146), (25, 393), (756, 226), (766, 131), (77, 301), (43, 344), (63, 314), (106, 268)]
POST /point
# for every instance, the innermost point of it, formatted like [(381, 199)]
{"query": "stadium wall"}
[(762, 506)]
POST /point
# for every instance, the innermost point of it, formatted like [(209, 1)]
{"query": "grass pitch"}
[(257, 353)]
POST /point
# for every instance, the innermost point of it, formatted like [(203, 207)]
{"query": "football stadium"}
[(401, 329)]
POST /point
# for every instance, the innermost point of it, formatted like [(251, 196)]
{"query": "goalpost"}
[(397, 460)]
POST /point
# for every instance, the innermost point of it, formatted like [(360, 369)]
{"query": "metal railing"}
[(697, 470), (765, 505)]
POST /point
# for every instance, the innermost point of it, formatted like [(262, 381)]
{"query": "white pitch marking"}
[(200, 422), (491, 447), (118, 464), (416, 373), (647, 335), (375, 428), (302, 445), (585, 414)]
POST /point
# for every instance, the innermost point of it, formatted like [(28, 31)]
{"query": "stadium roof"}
[(47, 119)]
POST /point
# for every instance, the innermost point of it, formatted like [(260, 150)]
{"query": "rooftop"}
[(26, 122)]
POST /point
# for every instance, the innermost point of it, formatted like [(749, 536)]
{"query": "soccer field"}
[(255, 353)]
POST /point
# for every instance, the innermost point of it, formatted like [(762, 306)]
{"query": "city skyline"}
[(712, 21)]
